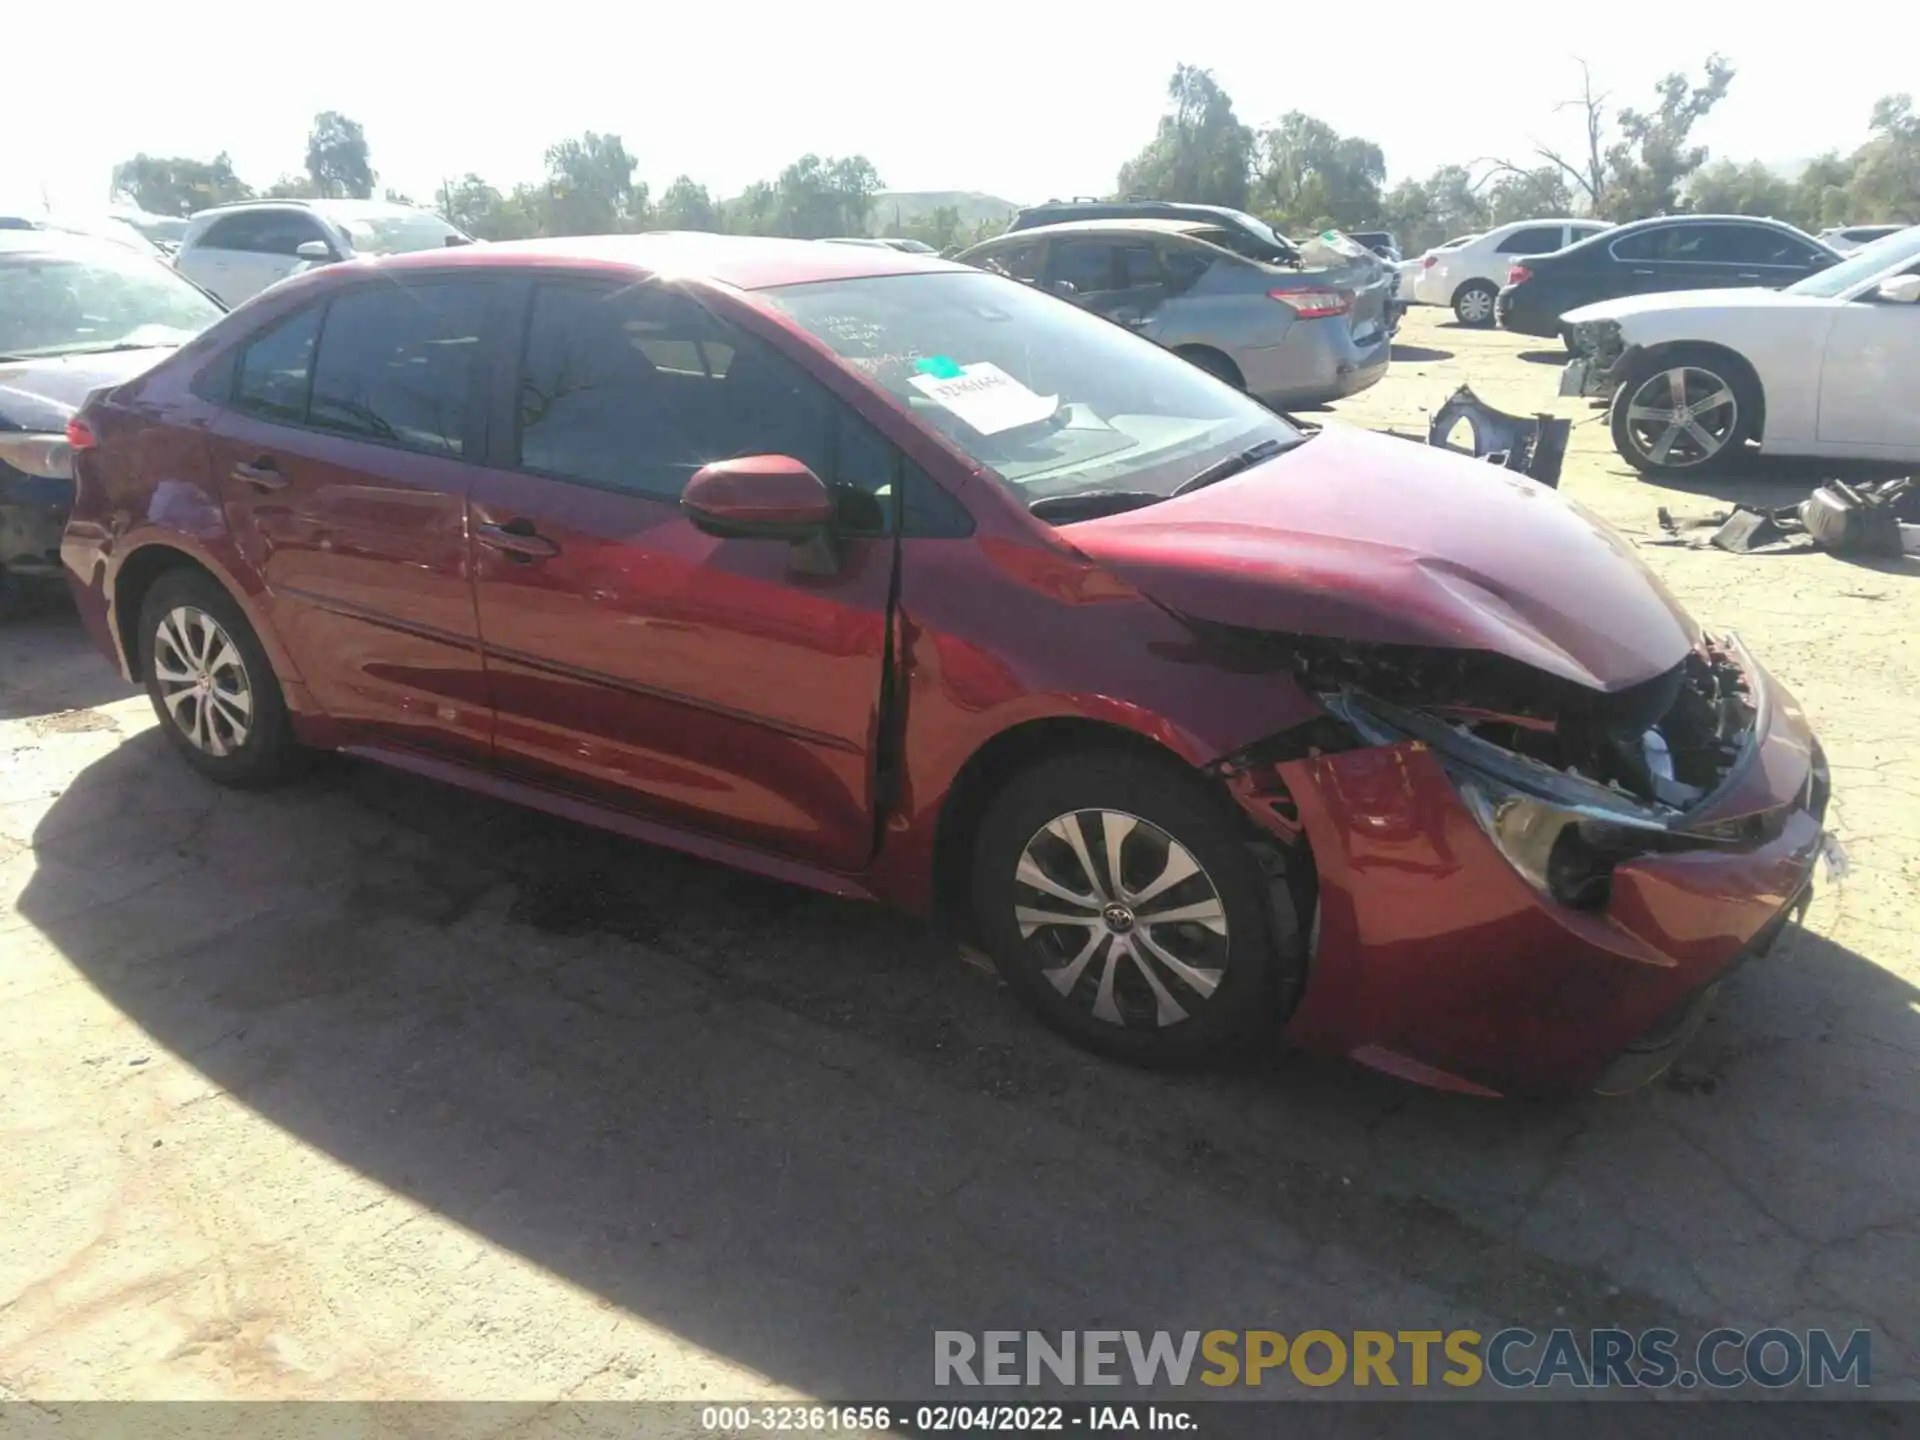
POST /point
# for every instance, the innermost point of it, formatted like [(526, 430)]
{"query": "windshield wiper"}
[(111, 349), (1090, 504), (1234, 464)]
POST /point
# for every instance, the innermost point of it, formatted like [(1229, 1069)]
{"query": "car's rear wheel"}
[(1685, 412), (1473, 303), (1214, 363), (1118, 899), (212, 685)]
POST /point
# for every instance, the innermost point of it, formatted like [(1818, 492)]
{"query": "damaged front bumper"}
[(1601, 361), (33, 513), (1440, 960)]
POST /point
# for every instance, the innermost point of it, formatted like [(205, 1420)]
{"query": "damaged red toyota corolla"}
[(904, 581)]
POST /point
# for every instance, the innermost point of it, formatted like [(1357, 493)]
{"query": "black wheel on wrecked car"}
[(1684, 412), (1214, 363), (212, 685), (1118, 897), (1473, 303)]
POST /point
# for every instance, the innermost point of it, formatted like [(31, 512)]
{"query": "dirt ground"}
[(374, 1089)]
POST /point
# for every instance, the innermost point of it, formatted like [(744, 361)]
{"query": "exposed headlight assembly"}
[(1562, 833)]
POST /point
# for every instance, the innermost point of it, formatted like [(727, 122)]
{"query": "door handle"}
[(262, 474), (1643, 272), (1747, 275), (518, 540)]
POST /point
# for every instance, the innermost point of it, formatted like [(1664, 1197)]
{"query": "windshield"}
[(54, 304), (397, 233), (1861, 266), (1053, 400)]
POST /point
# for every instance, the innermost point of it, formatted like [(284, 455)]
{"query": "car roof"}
[(745, 262), (1154, 224), (346, 208)]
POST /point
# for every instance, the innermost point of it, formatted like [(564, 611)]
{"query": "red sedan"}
[(902, 580)]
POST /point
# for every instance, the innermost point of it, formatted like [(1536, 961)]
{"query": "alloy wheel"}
[(1122, 918), (1682, 417), (203, 680)]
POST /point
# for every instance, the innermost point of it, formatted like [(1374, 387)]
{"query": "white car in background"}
[(1824, 367), (236, 251), (1845, 239), (1465, 275)]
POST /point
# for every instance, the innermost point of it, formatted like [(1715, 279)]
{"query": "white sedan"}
[(1825, 367)]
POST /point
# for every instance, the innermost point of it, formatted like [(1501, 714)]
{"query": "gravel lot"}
[(374, 1089)]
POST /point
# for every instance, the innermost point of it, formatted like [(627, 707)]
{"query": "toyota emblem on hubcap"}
[(1118, 917)]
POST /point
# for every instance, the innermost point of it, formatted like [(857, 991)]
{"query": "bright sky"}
[(1024, 101)]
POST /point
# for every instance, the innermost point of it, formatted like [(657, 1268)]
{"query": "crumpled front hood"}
[(42, 394), (1375, 539)]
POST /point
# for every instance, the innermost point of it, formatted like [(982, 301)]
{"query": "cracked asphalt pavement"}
[(374, 1089)]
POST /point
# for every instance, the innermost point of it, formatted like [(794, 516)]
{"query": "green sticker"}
[(938, 366)]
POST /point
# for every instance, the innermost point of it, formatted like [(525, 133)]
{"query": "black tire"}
[(1468, 299), (1215, 364), (1630, 437), (1257, 965), (266, 752)]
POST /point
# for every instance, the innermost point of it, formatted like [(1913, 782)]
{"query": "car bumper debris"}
[(1535, 446)]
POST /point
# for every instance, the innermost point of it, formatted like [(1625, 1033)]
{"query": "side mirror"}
[(1065, 289), (1902, 289), (766, 497), (317, 251)]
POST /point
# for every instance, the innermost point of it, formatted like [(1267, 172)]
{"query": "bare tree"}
[(1590, 170)]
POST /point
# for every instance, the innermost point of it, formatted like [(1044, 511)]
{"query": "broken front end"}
[(1526, 885), (1601, 359)]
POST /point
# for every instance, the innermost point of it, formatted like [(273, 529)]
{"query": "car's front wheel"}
[(1685, 412), (211, 683), (1118, 898)]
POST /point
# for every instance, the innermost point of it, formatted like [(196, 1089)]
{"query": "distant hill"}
[(973, 205)]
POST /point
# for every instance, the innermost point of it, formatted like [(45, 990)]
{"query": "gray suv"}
[(1286, 336)]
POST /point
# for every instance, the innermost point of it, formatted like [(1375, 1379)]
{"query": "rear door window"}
[(1087, 265), (1535, 240), (397, 364), (1763, 245), (1139, 266), (275, 370)]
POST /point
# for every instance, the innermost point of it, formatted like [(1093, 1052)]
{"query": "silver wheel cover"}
[(1121, 917)]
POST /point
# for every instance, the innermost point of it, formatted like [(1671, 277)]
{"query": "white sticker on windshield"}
[(986, 397)]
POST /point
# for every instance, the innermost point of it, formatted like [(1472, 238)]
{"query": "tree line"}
[(1299, 173), (1303, 176), (588, 189)]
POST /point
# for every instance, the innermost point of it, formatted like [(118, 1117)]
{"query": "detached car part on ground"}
[(907, 582), (1823, 368), (76, 314), (1285, 336)]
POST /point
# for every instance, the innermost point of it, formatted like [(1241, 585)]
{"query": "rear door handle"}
[(518, 540), (262, 474), (1747, 275)]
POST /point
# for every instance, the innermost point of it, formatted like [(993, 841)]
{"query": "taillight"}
[(1314, 304), (1427, 262), (79, 437), (1518, 274)]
